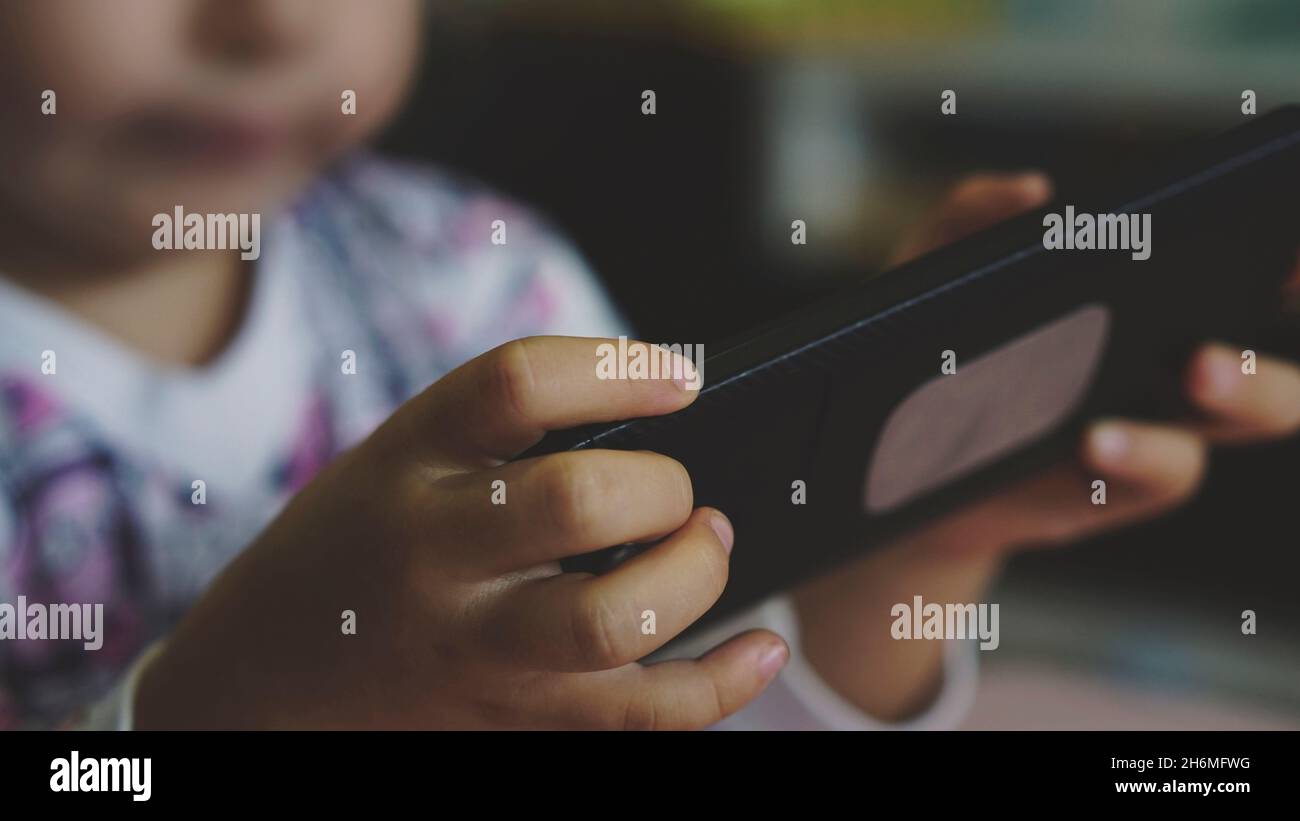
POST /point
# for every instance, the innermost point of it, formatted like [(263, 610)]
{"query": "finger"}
[(1243, 407), (543, 509), (580, 622), (1147, 469), (975, 203), (1166, 460), (675, 695), (501, 402)]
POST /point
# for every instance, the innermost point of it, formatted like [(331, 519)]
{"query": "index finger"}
[(502, 402)]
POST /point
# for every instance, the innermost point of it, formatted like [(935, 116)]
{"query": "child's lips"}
[(210, 139)]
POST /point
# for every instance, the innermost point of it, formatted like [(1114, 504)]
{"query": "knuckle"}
[(682, 482), (503, 706), (719, 705), (571, 494), (596, 637), (511, 378), (671, 481), (1190, 479), (712, 558), (641, 714)]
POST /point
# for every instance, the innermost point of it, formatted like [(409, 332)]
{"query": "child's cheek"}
[(72, 71), (99, 58), (373, 66)]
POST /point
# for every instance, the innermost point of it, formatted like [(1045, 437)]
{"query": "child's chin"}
[(205, 194)]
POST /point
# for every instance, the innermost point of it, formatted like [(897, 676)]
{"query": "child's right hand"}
[(463, 618)]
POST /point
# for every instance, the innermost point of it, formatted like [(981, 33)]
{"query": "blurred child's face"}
[(214, 105)]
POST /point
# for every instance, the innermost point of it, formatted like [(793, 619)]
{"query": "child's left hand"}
[(1148, 468)]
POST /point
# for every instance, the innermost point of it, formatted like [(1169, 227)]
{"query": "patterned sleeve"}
[(67, 538), (477, 268), (9, 710)]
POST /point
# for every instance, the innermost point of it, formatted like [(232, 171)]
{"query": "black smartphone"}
[(934, 383)]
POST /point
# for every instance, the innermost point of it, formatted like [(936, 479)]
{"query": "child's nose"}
[(253, 31)]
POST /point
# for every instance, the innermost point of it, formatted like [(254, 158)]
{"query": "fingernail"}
[(772, 660), (690, 378), (722, 527), (1109, 442), (1220, 369), (1035, 183)]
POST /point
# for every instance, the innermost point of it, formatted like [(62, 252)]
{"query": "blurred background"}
[(828, 111)]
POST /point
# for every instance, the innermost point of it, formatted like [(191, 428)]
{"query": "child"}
[(241, 461)]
